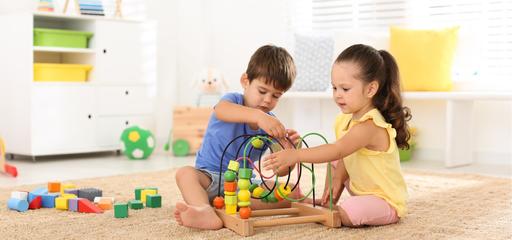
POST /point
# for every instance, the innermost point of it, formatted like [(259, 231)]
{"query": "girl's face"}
[(349, 92), (258, 94)]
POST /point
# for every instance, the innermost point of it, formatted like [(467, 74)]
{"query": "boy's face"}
[(258, 94)]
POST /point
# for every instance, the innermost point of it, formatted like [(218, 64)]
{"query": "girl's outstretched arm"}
[(359, 136)]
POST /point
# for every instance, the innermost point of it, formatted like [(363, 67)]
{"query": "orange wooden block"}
[(105, 204), (230, 186), (53, 186)]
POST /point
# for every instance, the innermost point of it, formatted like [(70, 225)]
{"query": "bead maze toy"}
[(4, 167), (238, 177)]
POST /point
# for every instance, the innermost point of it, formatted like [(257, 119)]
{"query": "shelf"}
[(417, 95), (63, 50), (54, 15)]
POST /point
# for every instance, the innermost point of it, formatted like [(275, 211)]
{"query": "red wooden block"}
[(86, 206), (36, 203)]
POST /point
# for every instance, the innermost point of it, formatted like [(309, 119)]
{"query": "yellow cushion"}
[(424, 57)]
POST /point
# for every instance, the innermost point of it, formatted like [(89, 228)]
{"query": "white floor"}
[(107, 164)]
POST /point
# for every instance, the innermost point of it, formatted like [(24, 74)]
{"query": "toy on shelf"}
[(137, 143), (238, 190), (406, 154), (4, 167), (188, 129), (45, 6), (211, 86)]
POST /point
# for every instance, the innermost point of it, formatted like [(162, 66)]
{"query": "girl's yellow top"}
[(375, 172)]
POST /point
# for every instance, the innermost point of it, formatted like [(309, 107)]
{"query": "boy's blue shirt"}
[(219, 134)]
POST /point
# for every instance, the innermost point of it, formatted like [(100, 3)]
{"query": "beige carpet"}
[(441, 206)]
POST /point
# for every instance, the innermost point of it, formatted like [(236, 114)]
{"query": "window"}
[(485, 45)]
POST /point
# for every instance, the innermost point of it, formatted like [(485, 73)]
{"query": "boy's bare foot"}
[(203, 217)]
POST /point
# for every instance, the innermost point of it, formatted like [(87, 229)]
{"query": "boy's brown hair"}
[(273, 64)]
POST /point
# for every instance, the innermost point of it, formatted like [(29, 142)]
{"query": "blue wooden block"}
[(49, 200), (17, 204), (37, 192), (73, 204)]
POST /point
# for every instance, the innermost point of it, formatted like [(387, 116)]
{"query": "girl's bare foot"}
[(202, 217)]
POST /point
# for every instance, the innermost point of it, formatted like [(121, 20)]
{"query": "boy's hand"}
[(271, 125), (281, 161)]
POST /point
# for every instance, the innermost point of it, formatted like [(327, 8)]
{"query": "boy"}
[(270, 73)]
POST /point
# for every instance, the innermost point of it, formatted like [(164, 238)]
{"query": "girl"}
[(370, 129)]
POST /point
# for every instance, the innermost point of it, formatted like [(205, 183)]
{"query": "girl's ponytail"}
[(381, 66)]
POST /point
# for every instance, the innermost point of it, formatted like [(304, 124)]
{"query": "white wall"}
[(225, 33)]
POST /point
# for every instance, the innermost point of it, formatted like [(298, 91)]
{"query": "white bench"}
[(458, 117)]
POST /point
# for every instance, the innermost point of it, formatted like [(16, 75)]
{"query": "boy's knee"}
[(183, 172)]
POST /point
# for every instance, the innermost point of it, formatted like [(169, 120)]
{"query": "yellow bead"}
[(244, 195), (285, 191), (257, 143), (257, 192), (229, 193), (244, 184), (233, 166)]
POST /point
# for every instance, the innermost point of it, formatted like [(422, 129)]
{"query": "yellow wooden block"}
[(233, 166), (67, 186), (68, 195), (231, 209), (61, 203), (146, 192)]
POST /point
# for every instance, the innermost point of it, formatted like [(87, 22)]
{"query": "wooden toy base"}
[(302, 213)]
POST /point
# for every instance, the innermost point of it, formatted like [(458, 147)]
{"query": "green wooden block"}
[(121, 210), (137, 193), (154, 201), (135, 204)]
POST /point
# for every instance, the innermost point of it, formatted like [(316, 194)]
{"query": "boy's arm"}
[(230, 112)]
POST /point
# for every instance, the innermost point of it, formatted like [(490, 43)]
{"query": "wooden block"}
[(17, 204), (241, 226), (86, 206), (121, 210), (20, 195), (105, 204), (35, 203), (89, 193), (67, 186), (153, 201), (53, 187), (61, 203), (48, 200), (135, 204), (73, 204), (146, 192)]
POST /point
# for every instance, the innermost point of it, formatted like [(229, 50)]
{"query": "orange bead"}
[(245, 212), (230, 186), (218, 202)]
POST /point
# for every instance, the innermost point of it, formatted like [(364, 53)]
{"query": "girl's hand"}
[(281, 161), (337, 189)]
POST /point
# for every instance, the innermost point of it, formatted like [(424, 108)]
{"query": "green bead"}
[(265, 199), (245, 173), (272, 198), (229, 176), (253, 186)]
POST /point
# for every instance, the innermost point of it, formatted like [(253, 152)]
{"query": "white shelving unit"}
[(50, 118), (458, 115)]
